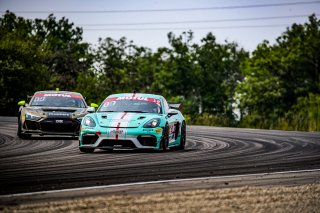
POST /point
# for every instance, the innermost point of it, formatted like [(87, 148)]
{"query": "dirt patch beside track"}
[(304, 198)]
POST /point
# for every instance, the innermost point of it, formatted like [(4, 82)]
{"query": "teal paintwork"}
[(123, 129)]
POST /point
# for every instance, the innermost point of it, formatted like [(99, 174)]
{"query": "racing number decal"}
[(173, 131), (39, 99)]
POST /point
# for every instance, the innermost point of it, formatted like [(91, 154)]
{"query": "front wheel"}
[(183, 136), (165, 139), (20, 134), (86, 150)]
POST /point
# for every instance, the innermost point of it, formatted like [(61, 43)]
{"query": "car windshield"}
[(129, 104), (58, 100)]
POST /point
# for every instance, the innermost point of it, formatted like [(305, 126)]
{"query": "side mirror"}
[(172, 112), (94, 105), (90, 109), (22, 103)]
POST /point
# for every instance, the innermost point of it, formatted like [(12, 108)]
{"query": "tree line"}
[(221, 84)]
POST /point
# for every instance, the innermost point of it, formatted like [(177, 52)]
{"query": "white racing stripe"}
[(151, 182)]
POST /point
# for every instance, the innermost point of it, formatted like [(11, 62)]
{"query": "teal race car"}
[(133, 121)]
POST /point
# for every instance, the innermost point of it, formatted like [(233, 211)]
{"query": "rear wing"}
[(175, 106)]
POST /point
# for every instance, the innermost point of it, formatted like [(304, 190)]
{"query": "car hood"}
[(57, 111), (124, 119)]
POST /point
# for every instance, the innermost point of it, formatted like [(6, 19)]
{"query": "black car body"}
[(52, 113)]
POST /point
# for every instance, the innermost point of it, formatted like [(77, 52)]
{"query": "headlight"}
[(88, 121), (152, 123), (32, 117)]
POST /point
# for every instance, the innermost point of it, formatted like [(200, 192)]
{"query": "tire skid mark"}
[(55, 162)]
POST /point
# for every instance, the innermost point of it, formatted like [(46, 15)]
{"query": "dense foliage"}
[(278, 86), (281, 86)]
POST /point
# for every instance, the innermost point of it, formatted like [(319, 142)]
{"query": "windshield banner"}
[(153, 100), (57, 95)]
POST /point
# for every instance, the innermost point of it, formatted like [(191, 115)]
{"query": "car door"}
[(174, 126), (172, 116)]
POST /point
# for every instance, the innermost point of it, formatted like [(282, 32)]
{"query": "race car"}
[(52, 113), (133, 121)]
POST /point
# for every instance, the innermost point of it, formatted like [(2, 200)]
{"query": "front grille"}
[(59, 110), (32, 125), (117, 143), (148, 140), (89, 139), (60, 125)]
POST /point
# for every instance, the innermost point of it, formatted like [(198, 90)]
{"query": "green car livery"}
[(133, 121)]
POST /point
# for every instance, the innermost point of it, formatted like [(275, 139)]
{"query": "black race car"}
[(52, 113)]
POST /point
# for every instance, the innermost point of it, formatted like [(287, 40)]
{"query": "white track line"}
[(151, 182)]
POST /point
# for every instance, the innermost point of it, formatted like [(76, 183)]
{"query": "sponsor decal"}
[(117, 131), (109, 100), (86, 128), (58, 95), (172, 128), (132, 98), (158, 130), (147, 130), (58, 114)]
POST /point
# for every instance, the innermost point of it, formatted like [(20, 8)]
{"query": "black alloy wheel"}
[(165, 138), (183, 136)]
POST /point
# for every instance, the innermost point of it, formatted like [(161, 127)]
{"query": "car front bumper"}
[(48, 126), (122, 138)]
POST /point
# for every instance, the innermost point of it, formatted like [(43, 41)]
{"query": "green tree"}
[(21, 63), (68, 55), (277, 75), (38, 55), (220, 72)]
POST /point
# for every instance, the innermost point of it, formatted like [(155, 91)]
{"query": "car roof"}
[(144, 95), (58, 92)]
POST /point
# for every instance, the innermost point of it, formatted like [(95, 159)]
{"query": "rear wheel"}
[(165, 139), (183, 136)]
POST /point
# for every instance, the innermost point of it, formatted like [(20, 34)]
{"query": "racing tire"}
[(183, 136), (165, 139), (86, 150), (20, 134)]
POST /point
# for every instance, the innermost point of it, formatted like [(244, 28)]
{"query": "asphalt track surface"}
[(52, 163)]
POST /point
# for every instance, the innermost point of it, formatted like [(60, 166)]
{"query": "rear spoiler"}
[(175, 106)]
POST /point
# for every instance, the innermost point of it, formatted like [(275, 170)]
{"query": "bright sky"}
[(249, 25)]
